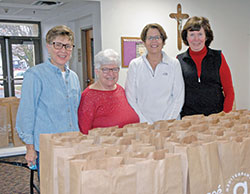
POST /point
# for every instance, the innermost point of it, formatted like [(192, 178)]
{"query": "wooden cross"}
[(179, 17)]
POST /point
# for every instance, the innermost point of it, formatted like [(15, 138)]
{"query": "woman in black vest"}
[(207, 77)]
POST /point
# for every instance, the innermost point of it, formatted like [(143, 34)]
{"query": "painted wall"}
[(229, 20)]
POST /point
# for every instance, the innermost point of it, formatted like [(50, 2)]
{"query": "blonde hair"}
[(61, 30)]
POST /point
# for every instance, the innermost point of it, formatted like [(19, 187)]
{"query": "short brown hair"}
[(195, 24), (155, 26), (59, 31)]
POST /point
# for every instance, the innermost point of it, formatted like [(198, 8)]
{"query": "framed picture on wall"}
[(131, 47)]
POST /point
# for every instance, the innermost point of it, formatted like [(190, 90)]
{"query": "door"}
[(19, 55), (88, 57), (20, 49)]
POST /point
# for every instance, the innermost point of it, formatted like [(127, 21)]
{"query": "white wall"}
[(229, 20), (115, 18)]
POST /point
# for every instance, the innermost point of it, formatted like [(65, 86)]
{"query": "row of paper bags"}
[(196, 155)]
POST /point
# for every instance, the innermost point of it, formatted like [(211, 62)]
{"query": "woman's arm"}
[(177, 92), (227, 84), (26, 114), (130, 90)]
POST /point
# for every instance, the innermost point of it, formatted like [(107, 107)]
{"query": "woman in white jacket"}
[(154, 85)]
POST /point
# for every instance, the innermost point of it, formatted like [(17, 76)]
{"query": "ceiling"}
[(37, 10)]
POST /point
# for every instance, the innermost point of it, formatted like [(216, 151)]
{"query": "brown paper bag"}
[(8, 101), (51, 147), (121, 180), (75, 179), (63, 168), (15, 137), (182, 150), (205, 172), (107, 176), (76, 167), (5, 125), (160, 175), (235, 160)]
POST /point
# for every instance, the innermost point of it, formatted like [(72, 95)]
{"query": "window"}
[(19, 29)]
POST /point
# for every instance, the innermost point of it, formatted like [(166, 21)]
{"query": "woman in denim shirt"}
[(50, 95)]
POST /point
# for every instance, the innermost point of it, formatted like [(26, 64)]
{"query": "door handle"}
[(6, 79)]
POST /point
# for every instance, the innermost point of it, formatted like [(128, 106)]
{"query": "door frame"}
[(4, 67)]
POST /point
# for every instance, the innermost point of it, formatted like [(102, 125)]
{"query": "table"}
[(12, 151)]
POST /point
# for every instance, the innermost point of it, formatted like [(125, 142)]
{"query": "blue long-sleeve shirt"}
[(48, 103)]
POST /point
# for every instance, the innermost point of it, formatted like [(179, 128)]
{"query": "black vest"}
[(204, 97)]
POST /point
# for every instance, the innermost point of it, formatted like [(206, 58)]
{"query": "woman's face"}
[(153, 42), (108, 76), (196, 39), (60, 56)]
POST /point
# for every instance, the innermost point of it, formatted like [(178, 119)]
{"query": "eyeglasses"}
[(59, 46), (153, 38), (107, 70)]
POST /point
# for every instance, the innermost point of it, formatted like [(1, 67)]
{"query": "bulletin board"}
[(131, 48)]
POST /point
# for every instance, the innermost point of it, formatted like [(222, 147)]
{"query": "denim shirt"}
[(48, 103)]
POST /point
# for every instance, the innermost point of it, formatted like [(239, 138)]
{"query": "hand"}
[(31, 155)]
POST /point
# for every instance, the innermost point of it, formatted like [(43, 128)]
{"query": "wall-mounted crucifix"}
[(179, 17)]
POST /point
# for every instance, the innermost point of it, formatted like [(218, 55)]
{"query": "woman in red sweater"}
[(104, 103), (207, 77)]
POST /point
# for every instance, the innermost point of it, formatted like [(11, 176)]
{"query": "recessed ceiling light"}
[(47, 3)]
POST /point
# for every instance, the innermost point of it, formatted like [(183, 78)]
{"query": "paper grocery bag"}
[(51, 147), (5, 125), (229, 153), (235, 160), (108, 176), (75, 178), (91, 152), (204, 168), (15, 137), (160, 175), (79, 163), (8, 101), (123, 180)]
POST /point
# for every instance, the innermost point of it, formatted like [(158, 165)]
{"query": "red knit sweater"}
[(104, 109), (225, 76)]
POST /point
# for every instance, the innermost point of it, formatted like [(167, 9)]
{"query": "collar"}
[(186, 55), (165, 58), (201, 52), (55, 68)]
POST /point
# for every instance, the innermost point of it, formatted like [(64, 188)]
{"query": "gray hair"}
[(107, 57)]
